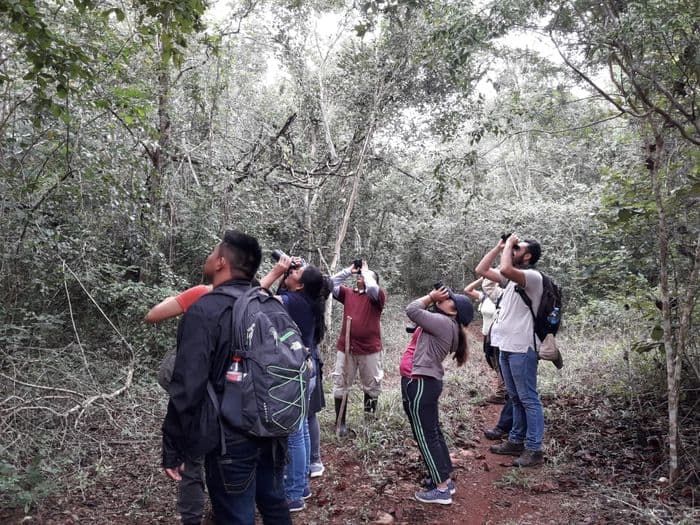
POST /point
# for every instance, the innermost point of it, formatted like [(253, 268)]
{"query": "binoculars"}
[(277, 254)]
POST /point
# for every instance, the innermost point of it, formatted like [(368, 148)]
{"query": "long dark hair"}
[(317, 286), (462, 352)]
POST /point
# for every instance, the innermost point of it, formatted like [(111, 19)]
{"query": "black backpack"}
[(270, 399), (548, 316)]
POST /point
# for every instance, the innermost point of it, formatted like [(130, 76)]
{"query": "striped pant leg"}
[(421, 404)]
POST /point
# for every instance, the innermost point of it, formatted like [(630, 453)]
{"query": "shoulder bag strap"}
[(215, 401), (523, 295)]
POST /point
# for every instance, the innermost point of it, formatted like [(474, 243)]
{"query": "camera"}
[(438, 284), (278, 254), (357, 263), (505, 236)]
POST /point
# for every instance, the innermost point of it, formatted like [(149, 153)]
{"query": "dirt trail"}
[(347, 495), (480, 501), (344, 495)]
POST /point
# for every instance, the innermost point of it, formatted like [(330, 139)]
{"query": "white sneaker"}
[(317, 470)]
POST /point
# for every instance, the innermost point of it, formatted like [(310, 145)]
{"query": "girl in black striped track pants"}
[(439, 331)]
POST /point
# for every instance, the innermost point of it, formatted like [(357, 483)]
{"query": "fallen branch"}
[(130, 369)]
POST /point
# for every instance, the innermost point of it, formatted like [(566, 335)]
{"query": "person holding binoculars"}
[(361, 336), (439, 331), (512, 334), (303, 290)]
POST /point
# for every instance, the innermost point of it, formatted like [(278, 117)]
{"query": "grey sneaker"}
[(434, 496), (508, 448), (317, 470), (428, 484), (307, 493), (296, 505), (529, 458)]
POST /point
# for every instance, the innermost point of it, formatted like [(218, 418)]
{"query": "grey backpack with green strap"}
[(270, 398)]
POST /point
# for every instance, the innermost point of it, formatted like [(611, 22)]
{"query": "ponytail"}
[(462, 352), (317, 287)]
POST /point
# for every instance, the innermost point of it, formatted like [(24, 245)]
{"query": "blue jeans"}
[(316, 403), (520, 375), (297, 466), (307, 453), (505, 420), (250, 473), (299, 451)]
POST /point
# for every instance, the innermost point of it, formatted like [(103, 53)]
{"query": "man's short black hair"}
[(534, 249), (242, 252)]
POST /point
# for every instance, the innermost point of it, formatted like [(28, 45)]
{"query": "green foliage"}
[(652, 49), (628, 261), (517, 478), (53, 59), (469, 134), (173, 20), (28, 488)]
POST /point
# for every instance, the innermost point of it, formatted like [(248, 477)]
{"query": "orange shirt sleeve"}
[(190, 296)]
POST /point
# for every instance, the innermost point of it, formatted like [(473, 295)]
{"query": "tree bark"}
[(673, 361), (343, 230), (160, 155), (687, 307)]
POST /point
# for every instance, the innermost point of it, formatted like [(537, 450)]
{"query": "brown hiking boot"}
[(495, 433), (529, 458), (508, 448), (496, 399)]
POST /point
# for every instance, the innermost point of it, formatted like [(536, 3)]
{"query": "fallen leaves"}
[(383, 518), (546, 486)]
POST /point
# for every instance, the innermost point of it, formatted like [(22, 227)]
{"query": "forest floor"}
[(344, 493), (482, 497), (602, 464)]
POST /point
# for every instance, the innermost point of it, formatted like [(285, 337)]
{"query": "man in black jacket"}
[(251, 470)]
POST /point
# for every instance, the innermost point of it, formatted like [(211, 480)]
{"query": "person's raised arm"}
[(278, 270), (339, 278), (470, 289), (165, 309), (485, 267), (371, 286), (432, 323), (177, 304), (507, 269)]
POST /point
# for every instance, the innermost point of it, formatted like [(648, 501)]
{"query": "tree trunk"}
[(325, 118), (673, 361), (160, 155), (343, 230), (686, 311)]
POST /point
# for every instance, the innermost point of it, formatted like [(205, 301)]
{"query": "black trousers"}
[(420, 402)]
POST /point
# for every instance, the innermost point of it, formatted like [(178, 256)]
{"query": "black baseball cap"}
[(465, 310)]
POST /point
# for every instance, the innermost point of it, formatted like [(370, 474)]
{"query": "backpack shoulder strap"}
[(526, 299), (497, 302), (245, 297), (215, 402)]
